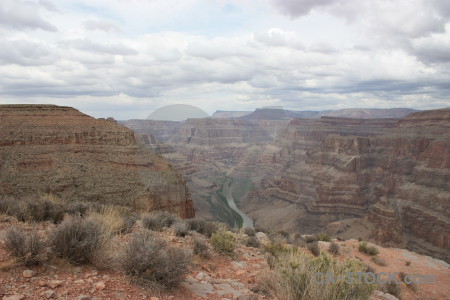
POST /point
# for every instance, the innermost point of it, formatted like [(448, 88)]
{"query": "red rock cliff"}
[(54, 149)]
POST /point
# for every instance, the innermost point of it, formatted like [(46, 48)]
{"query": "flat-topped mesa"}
[(59, 150), (435, 118), (53, 125)]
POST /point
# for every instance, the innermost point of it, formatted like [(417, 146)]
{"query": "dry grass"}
[(111, 217), (293, 278)]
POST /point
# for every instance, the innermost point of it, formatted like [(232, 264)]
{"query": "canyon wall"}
[(389, 176), (385, 180), (58, 150)]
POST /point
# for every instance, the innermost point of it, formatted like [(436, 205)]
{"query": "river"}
[(247, 222)]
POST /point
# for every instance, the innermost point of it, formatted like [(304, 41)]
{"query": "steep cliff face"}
[(54, 149), (392, 174)]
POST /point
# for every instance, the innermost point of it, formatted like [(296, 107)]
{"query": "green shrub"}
[(223, 241), (27, 247), (201, 247), (314, 248), (80, 240), (149, 259), (334, 248), (294, 277), (364, 248)]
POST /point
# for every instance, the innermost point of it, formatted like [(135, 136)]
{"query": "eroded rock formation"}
[(58, 150), (386, 180)]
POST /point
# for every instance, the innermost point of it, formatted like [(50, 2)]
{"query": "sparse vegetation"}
[(370, 250), (201, 247), (252, 241), (392, 288), (80, 240), (409, 283), (323, 237), (223, 241), (379, 261), (334, 248), (294, 277), (181, 228), (249, 231), (310, 239), (276, 249), (196, 225), (36, 209), (150, 260), (158, 220), (408, 263), (210, 229), (314, 248), (26, 247)]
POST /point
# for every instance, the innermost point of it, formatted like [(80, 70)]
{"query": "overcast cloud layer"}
[(125, 58)]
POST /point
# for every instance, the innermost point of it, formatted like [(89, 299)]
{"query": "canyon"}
[(381, 179), (49, 149)]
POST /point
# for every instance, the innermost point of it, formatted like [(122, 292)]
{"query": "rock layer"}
[(58, 150)]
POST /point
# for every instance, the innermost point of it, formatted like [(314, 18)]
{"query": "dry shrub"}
[(323, 237), (81, 240), (181, 228), (211, 228), (364, 248), (201, 247), (249, 231), (150, 260), (310, 239), (158, 220), (334, 248), (293, 277), (393, 288), (252, 241), (27, 247), (314, 248), (196, 225), (379, 261), (223, 241), (31, 209)]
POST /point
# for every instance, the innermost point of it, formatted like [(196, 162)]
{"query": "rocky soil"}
[(218, 277)]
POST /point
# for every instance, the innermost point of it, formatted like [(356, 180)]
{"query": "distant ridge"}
[(357, 113)]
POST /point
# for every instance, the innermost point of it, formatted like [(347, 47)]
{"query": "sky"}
[(126, 58)]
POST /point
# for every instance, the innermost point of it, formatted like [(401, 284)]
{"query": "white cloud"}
[(120, 55)]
